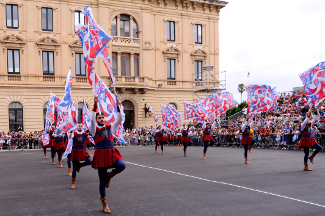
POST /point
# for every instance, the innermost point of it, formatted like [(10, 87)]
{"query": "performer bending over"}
[(160, 139), (247, 139), (307, 140), (105, 155), (207, 138), (185, 139), (78, 152)]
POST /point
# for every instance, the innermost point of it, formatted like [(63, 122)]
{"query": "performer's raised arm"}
[(119, 117), (92, 125)]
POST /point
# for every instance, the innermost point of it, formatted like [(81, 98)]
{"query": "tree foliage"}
[(236, 109)]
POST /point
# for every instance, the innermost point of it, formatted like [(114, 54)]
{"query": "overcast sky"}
[(256, 34)]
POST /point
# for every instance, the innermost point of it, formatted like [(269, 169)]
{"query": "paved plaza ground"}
[(274, 183)]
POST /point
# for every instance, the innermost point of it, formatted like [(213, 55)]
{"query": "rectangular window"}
[(136, 65), (135, 29), (13, 62), (171, 69), (114, 63), (114, 32), (12, 16), (198, 34), (48, 63), (125, 26), (79, 18), (80, 65), (47, 19), (198, 70), (170, 30), (125, 64)]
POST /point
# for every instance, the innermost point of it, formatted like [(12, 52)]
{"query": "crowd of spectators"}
[(278, 128)]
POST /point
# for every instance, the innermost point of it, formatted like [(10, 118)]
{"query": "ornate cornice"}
[(171, 52)]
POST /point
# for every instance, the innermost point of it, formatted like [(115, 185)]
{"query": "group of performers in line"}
[(106, 156), (306, 142)]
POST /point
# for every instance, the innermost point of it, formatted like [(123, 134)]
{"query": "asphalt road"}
[(274, 183)]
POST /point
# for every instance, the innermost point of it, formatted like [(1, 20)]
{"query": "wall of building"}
[(32, 90)]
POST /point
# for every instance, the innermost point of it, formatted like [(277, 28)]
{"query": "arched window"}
[(16, 117), (173, 105), (129, 114), (80, 108), (127, 26)]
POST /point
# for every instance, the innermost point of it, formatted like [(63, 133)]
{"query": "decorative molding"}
[(12, 41), (199, 54), (46, 6), (147, 45), (171, 52), (48, 43), (76, 46)]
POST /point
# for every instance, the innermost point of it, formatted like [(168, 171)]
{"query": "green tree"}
[(241, 89)]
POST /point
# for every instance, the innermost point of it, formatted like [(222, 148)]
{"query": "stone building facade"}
[(156, 48)]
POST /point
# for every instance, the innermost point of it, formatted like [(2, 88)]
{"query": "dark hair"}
[(97, 114)]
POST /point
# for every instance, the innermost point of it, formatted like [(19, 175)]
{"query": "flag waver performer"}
[(105, 155), (59, 147), (307, 141), (207, 138), (160, 139), (78, 152), (247, 139), (185, 138), (52, 142)]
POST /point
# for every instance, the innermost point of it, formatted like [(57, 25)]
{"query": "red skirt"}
[(79, 155), (105, 158), (58, 146), (160, 139), (185, 140), (246, 140), (307, 142), (207, 138), (51, 143)]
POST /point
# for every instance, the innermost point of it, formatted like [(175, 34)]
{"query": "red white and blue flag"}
[(189, 110), (224, 102), (85, 117), (314, 83), (94, 40), (171, 118), (107, 102), (67, 113), (261, 98), (153, 114), (68, 148)]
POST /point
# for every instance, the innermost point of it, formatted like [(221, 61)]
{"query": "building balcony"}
[(135, 84), (126, 41), (16, 79)]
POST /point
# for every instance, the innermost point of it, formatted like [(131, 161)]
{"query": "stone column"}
[(132, 64), (118, 63), (118, 25), (131, 26)]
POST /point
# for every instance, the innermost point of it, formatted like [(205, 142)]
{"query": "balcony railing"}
[(126, 41)]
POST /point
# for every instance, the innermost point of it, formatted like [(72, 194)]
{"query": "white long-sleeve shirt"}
[(303, 125), (214, 124), (245, 124), (93, 124)]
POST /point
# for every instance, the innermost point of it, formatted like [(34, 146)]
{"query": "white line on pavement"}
[(233, 185)]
